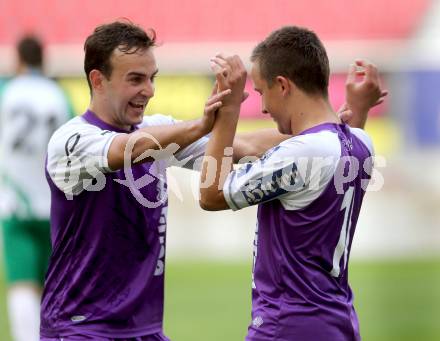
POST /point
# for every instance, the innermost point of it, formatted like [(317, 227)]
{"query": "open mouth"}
[(138, 106)]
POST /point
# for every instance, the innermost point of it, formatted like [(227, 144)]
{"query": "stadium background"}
[(395, 266)]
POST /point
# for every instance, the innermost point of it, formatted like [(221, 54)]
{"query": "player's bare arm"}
[(363, 92), (256, 143), (182, 133), (230, 73)]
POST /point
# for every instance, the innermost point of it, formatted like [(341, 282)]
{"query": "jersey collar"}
[(91, 117)]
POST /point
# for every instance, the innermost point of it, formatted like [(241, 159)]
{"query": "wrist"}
[(229, 113), (198, 129), (358, 108), (358, 118)]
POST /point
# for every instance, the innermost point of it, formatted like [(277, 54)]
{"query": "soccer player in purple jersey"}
[(108, 224), (308, 189)]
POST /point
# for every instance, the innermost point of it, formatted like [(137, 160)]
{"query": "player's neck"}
[(309, 112), (23, 69), (104, 113)]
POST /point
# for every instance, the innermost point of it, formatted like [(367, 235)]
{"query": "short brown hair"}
[(99, 46), (30, 51), (296, 53)]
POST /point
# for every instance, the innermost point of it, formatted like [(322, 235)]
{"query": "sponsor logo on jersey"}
[(77, 318), (271, 185), (257, 322)]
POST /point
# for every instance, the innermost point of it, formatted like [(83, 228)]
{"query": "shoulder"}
[(299, 151), (363, 136), (324, 143), (49, 85), (36, 88), (3, 86), (29, 80), (76, 126), (9, 85), (75, 147), (157, 119)]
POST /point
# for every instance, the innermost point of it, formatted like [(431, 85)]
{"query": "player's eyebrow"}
[(141, 74), (155, 73), (138, 74)]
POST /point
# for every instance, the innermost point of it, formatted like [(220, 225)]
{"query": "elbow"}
[(248, 154), (208, 203), (253, 151)]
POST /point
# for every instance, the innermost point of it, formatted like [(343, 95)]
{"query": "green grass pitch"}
[(395, 300)]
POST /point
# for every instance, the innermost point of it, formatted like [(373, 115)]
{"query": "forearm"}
[(255, 144), (212, 180), (359, 117), (152, 138), (230, 73)]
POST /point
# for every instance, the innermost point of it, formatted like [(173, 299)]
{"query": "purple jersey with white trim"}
[(309, 190), (106, 272)]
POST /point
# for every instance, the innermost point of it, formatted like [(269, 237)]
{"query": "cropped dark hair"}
[(124, 35), (30, 51), (295, 53)]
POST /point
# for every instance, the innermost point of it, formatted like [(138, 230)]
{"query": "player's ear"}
[(284, 85), (96, 79)]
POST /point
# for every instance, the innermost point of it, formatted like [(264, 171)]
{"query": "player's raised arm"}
[(230, 73), (363, 91), (155, 137)]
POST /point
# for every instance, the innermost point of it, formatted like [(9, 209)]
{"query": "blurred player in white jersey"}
[(31, 108)]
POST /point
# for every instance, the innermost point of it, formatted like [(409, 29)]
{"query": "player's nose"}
[(148, 90)]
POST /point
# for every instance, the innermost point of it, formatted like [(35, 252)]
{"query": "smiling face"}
[(130, 86), (272, 99)]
